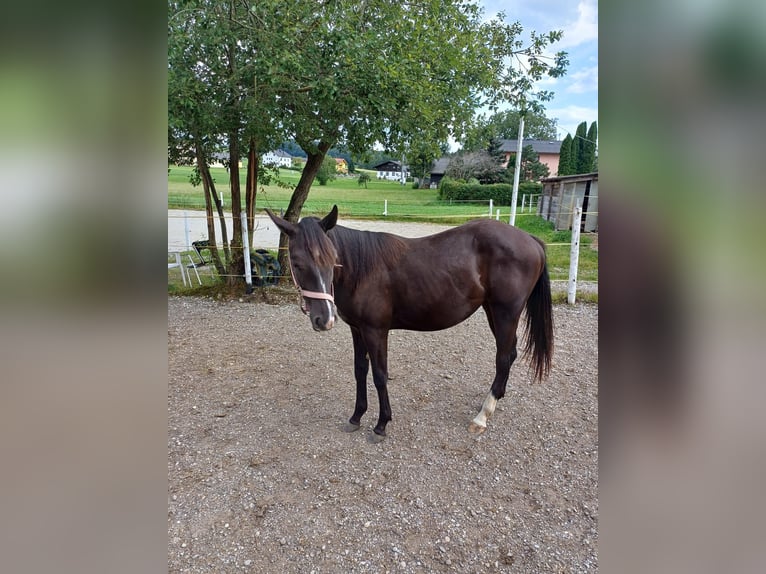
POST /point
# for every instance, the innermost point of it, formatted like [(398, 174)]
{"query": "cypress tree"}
[(565, 156), (593, 138), (578, 148)]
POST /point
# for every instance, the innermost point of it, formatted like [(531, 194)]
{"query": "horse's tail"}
[(539, 326)]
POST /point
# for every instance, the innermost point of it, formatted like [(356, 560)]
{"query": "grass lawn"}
[(404, 204)]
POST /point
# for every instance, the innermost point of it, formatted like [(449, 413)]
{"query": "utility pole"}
[(517, 171)]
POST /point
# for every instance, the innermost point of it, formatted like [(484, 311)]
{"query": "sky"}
[(576, 93)]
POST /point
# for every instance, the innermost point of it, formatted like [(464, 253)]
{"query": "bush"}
[(499, 193)]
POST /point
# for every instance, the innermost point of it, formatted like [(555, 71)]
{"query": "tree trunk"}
[(221, 218), (301, 193), (236, 263), (208, 188)]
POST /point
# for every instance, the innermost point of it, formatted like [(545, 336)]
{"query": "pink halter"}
[(311, 294)]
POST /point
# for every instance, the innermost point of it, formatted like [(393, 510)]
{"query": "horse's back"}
[(489, 239)]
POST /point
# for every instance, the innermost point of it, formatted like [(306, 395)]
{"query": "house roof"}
[(339, 160), (440, 166), (572, 178), (391, 163), (540, 146), (280, 153)]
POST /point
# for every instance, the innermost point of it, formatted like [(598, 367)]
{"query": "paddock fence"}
[(187, 229)]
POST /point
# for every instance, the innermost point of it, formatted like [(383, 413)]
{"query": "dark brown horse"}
[(380, 281)]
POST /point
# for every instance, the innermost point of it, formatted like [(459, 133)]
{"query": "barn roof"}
[(440, 166)]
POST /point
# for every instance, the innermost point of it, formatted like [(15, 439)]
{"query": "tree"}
[(209, 100), (475, 165), (505, 125), (587, 150), (421, 156), (326, 171), (577, 147), (590, 161), (532, 169), (565, 157)]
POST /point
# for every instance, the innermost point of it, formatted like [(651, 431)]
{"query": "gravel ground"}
[(261, 478)]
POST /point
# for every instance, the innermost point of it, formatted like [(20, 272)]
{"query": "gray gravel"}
[(261, 478)]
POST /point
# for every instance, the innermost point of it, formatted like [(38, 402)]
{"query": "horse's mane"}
[(361, 252), (322, 250)]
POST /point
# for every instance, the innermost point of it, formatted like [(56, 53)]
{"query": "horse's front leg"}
[(361, 368), (377, 348)]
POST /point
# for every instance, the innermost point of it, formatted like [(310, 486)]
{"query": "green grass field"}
[(404, 204)]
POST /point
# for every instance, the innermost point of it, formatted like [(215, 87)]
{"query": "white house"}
[(391, 170), (277, 158)]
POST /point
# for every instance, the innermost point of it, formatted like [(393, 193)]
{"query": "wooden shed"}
[(561, 194)]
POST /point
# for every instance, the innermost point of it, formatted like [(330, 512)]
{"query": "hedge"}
[(499, 193)]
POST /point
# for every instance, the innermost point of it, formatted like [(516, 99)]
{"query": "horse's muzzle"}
[(320, 324)]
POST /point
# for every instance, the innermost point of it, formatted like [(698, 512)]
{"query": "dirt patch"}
[(261, 479)]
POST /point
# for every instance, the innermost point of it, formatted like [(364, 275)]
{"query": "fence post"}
[(523, 201), (498, 215), (246, 253), (187, 230), (385, 207), (491, 210), (574, 255)]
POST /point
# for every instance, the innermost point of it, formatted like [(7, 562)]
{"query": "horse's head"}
[(312, 261)]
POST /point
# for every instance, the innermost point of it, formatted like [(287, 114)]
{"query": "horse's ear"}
[(287, 228), (330, 219)]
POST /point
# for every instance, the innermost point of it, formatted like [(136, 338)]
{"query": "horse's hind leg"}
[(503, 322), (361, 368)]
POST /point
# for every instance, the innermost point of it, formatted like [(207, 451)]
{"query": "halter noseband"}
[(312, 294)]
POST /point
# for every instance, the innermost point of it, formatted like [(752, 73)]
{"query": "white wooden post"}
[(187, 231), (574, 255), (523, 201), (491, 210), (516, 172), (246, 253), (385, 207), (498, 215)]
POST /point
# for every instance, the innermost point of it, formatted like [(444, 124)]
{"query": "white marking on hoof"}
[(479, 424), (475, 428)]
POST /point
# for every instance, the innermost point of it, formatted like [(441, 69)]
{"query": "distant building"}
[(219, 159), (277, 158), (391, 170), (340, 165), (438, 169), (562, 194), (548, 152)]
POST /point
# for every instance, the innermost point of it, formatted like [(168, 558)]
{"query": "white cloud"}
[(583, 81), (584, 29), (569, 117)]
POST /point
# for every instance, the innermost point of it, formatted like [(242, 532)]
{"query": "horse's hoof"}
[(473, 428), (350, 427), (376, 438)]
